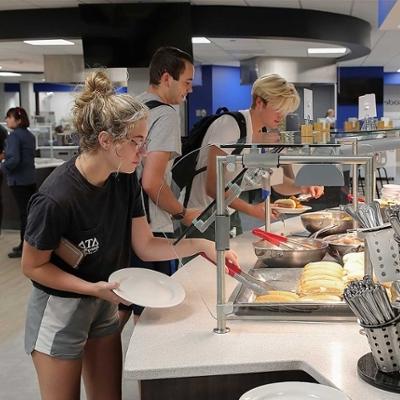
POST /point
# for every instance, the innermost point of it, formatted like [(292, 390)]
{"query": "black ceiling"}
[(209, 21)]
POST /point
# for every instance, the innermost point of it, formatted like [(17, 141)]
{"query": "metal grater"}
[(384, 254)]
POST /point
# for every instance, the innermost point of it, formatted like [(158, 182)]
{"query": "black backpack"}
[(184, 168)]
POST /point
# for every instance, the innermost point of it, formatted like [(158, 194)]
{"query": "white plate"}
[(147, 288), (294, 391), (284, 210)]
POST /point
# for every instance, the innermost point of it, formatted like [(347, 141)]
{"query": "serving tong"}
[(281, 241), (304, 197), (369, 302), (257, 286)]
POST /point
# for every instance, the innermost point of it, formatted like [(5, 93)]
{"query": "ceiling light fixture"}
[(49, 42), (327, 50), (398, 70), (200, 40), (4, 73)]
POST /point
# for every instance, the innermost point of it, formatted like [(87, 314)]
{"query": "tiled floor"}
[(17, 374)]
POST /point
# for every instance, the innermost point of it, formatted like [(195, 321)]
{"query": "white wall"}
[(391, 109), (11, 99), (391, 103), (58, 102), (138, 80)]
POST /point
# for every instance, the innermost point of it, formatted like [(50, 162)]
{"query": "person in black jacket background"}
[(3, 137), (19, 166)]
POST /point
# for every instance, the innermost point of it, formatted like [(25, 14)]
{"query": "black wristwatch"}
[(180, 215)]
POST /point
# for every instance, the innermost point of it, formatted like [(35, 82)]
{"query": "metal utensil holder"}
[(384, 341), (381, 253)]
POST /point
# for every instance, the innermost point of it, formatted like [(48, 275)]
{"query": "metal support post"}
[(220, 246), (267, 186), (354, 169)]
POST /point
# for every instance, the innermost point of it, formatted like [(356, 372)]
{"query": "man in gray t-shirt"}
[(171, 76)]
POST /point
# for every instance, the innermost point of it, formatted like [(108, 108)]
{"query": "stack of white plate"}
[(391, 192), (294, 391)]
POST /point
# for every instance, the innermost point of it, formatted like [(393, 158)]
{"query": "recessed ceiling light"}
[(50, 42), (9, 74), (327, 50), (199, 40)]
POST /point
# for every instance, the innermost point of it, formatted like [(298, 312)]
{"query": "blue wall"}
[(227, 90), (351, 110), (391, 78), (201, 98), (220, 88), (384, 8)]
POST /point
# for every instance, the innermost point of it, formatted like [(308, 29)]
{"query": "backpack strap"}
[(241, 121), (221, 110), (155, 103)]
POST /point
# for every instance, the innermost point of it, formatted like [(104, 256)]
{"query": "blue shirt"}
[(19, 164)]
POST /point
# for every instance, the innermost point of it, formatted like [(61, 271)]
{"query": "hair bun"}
[(97, 84)]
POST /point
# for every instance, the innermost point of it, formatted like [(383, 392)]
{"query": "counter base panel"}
[(221, 387)]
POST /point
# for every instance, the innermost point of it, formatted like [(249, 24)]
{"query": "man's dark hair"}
[(19, 115), (168, 59)]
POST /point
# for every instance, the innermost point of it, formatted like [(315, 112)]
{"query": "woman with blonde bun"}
[(94, 202)]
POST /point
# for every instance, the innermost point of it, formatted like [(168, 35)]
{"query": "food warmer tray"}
[(245, 307)]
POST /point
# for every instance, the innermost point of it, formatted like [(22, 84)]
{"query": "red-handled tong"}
[(278, 240), (257, 286), (350, 198)]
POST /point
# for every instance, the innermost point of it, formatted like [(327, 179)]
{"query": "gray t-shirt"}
[(164, 135)]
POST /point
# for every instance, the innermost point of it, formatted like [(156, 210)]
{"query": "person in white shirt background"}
[(330, 117), (272, 99)]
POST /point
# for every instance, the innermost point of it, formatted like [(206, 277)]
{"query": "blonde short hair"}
[(98, 108), (275, 90)]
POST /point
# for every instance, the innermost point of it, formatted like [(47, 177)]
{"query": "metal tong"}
[(369, 302), (279, 240), (254, 284), (304, 197)]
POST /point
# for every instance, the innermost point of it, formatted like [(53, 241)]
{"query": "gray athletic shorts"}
[(60, 326)]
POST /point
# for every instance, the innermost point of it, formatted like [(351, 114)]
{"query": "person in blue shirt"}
[(19, 166)]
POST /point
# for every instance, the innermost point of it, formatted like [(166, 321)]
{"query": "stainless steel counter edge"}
[(48, 162)]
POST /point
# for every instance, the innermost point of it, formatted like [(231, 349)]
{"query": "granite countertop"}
[(179, 341)]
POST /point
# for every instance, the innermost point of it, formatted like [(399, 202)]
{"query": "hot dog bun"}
[(285, 203), (277, 296)]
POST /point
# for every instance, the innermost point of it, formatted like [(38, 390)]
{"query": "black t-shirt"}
[(96, 219)]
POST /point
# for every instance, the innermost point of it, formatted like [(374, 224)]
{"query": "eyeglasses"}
[(141, 146)]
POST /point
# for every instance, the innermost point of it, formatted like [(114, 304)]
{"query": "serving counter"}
[(175, 354)]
